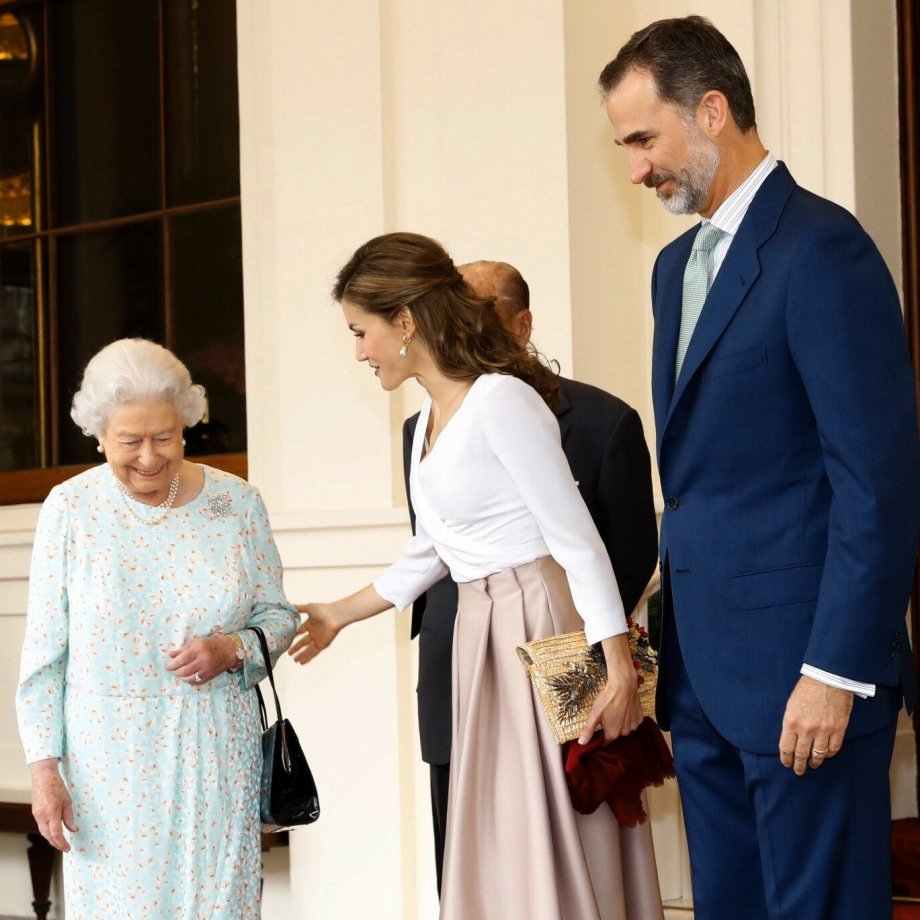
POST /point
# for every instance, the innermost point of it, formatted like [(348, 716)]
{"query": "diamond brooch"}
[(218, 506)]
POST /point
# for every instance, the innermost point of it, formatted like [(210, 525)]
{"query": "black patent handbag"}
[(287, 792)]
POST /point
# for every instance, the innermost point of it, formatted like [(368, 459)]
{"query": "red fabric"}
[(616, 772), (905, 858), (906, 911)]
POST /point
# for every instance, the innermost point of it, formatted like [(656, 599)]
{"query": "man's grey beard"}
[(694, 180)]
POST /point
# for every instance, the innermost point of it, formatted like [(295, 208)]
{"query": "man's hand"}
[(816, 718), (317, 631)]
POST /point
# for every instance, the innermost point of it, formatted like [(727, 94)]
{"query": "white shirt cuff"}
[(863, 691)]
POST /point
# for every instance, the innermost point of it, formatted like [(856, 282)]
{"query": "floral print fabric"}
[(163, 774)]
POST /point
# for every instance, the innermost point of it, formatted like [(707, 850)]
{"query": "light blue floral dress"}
[(163, 774)]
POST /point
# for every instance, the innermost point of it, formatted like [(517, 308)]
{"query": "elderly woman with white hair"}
[(134, 707)]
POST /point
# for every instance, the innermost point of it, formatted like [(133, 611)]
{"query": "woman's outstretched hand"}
[(323, 622), (319, 628), (616, 709)]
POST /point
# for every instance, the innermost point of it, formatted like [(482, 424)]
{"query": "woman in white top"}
[(497, 507)]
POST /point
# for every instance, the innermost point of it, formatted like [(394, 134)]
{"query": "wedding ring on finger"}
[(197, 676), (816, 753)]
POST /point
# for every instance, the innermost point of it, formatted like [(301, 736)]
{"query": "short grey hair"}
[(131, 370), (686, 57)]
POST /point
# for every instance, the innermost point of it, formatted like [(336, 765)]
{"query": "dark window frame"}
[(33, 485)]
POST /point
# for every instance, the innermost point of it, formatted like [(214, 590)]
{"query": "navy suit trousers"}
[(766, 844)]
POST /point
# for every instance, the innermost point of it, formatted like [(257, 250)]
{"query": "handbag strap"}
[(271, 677), (285, 749)]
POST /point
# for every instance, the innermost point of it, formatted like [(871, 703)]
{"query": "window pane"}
[(203, 123), (109, 286), (20, 445), (20, 113), (106, 129), (207, 298)]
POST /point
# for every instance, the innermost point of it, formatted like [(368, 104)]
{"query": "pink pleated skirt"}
[(516, 848)]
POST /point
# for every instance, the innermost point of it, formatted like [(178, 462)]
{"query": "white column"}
[(319, 430), (312, 190)]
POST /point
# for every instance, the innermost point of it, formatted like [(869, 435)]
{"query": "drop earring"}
[(405, 346)]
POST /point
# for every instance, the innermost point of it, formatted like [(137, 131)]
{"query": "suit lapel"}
[(563, 412), (738, 273), (667, 329), (735, 277)]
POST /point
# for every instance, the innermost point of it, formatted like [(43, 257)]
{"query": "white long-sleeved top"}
[(496, 492)]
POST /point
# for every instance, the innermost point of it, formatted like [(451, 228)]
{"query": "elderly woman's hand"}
[(51, 804), (203, 659), (317, 631)]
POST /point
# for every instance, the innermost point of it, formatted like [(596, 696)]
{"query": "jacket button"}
[(672, 504)]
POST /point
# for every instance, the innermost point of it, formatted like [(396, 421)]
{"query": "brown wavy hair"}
[(461, 330)]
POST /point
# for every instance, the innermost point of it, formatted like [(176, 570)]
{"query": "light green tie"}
[(696, 286)]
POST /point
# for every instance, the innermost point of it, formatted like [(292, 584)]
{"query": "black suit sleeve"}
[(626, 508), (408, 431)]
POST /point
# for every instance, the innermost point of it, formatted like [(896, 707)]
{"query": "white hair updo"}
[(132, 370)]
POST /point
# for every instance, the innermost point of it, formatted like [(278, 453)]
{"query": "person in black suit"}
[(603, 441)]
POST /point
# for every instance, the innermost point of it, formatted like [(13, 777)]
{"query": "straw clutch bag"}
[(567, 675)]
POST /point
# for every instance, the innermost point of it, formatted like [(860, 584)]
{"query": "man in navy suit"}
[(788, 451), (603, 441)]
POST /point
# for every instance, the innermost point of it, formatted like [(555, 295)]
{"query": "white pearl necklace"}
[(163, 507)]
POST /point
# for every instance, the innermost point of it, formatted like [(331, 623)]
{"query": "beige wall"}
[(479, 124)]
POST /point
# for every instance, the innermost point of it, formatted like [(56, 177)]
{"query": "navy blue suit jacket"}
[(603, 441), (789, 460)]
